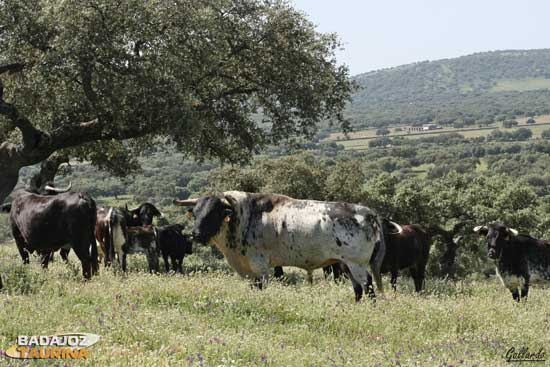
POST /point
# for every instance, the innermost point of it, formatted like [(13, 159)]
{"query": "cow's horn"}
[(188, 202), (55, 189), (479, 228), (397, 226), (513, 231)]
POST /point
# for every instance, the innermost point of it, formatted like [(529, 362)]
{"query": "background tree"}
[(382, 131), (80, 76), (509, 123)]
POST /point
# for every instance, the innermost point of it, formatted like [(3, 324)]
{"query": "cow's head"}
[(210, 214), (497, 235), (142, 215)]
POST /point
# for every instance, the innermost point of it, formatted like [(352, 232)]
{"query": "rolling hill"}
[(471, 89)]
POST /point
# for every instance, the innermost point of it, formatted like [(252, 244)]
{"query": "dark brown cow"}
[(172, 244), (45, 223), (103, 234), (408, 249)]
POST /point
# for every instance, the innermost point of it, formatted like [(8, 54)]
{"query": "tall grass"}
[(211, 317)]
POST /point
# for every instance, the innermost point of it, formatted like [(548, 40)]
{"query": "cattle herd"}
[(256, 233)]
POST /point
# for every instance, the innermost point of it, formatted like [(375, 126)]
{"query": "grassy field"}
[(359, 139), (521, 85), (214, 318)]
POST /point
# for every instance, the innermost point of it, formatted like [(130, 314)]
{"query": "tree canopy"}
[(219, 78)]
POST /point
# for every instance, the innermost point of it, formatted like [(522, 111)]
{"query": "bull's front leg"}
[(153, 260), (260, 267), (394, 275), (21, 244), (124, 264), (45, 258), (525, 288)]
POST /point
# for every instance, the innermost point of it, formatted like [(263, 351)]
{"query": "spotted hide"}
[(520, 259), (257, 232)]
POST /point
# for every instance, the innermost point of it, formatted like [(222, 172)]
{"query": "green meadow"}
[(211, 317)]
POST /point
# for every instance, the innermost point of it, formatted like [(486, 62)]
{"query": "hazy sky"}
[(384, 33)]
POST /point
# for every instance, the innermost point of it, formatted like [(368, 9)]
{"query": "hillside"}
[(474, 88)]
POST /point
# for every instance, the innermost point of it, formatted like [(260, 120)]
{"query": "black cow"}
[(408, 249), (519, 258), (172, 243), (45, 223)]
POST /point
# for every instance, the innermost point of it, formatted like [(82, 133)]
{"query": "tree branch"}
[(11, 68), (86, 75), (48, 170), (32, 137)]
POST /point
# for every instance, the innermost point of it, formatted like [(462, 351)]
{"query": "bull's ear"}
[(481, 230), (227, 215)]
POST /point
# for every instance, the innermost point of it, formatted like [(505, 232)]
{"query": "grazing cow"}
[(408, 249), (144, 240), (172, 243), (45, 223), (257, 232), (519, 258)]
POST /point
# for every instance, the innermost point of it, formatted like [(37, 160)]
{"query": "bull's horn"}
[(59, 191), (397, 226), (479, 228), (513, 231), (188, 202)]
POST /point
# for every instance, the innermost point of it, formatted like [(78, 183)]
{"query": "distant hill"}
[(473, 89)]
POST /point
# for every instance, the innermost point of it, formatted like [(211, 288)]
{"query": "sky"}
[(378, 34)]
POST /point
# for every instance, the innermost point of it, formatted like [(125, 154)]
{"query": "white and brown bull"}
[(257, 232)]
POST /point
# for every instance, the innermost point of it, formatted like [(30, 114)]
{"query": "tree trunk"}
[(448, 259), (48, 170), (9, 170)]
